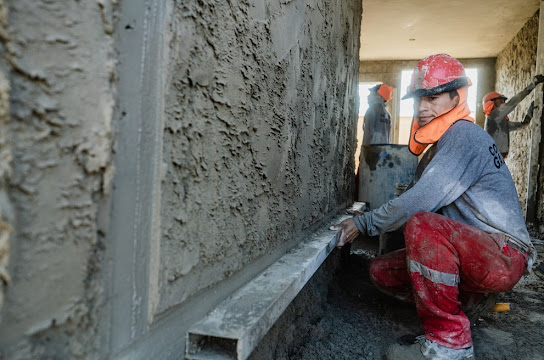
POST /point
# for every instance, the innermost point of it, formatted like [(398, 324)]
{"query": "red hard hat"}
[(493, 96), (436, 74)]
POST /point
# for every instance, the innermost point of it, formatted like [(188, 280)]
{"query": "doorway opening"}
[(363, 107)]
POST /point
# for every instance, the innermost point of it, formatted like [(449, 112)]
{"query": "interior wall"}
[(160, 150), (537, 171), (236, 139), (515, 68), (57, 68), (259, 135), (6, 215)]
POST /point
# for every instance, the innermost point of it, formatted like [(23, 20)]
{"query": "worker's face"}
[(426, 108)]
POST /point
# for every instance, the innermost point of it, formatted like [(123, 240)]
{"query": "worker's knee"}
[(374, 269), (420, 226), (383, 269), (415, 222)]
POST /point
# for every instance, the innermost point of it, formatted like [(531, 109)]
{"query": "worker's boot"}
[(424, 349)]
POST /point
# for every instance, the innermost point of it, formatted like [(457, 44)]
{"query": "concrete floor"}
[(340, 315)]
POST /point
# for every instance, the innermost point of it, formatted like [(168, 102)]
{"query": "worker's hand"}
[(529, 114), (538, 79), (348, 232), (532, 108), (354, 212)]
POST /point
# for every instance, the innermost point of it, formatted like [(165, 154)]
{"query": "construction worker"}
[(377, 123), (463, 227), (496, 110)]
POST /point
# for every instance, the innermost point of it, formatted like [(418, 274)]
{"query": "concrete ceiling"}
[(413, 29)]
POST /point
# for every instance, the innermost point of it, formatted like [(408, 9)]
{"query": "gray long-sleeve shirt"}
[(464, 177), (499, 127)]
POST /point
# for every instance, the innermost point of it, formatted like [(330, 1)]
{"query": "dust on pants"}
[(443, 260)]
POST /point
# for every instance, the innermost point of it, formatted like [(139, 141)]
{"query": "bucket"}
[(385, 170)]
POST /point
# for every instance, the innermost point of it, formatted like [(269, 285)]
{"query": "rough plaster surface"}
[(515, 67), (5, 159), (61, 71), (260, 132)]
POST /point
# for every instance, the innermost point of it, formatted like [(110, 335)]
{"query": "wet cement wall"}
[(515, 68), (57, 69), (6, 214), (163, 154), (259, 132)]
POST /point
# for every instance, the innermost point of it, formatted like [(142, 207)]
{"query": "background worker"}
[(463, 226), (377, 120), (496, 109)]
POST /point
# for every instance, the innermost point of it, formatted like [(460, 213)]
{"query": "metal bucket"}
[(384, 172)]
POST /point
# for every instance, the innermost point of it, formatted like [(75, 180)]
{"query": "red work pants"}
[(443, 260)]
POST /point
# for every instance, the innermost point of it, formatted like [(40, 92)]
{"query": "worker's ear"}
[(456, 99)]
